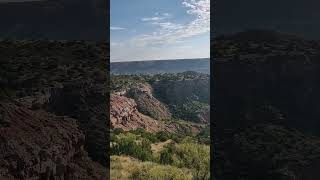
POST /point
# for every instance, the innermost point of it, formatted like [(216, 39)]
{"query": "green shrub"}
[(118, 131), (166, 156), (193, 156), (162, 136), (177, 137), (144, 134), (129, 144)]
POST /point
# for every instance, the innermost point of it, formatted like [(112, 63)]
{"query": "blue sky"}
[(159, 29)]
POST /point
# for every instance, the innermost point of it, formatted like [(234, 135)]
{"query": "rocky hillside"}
[(37, 144), (140, 102), (61, 86), (160, 124), (167, 96), (124, 114), (147, 103), (262, 82)]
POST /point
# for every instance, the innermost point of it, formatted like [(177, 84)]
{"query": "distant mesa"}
[(161, 66)]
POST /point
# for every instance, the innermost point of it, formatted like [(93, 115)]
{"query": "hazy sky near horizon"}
[(159, 29)]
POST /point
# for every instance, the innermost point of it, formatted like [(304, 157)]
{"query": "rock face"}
[(164, 102), (147, 104), (37, 144), (54, 97), (86, 102), (125, 115)]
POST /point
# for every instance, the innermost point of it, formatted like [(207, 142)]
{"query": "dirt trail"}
[(157, 147)]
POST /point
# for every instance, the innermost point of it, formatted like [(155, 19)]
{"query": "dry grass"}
[(121, 167), (127, 168)]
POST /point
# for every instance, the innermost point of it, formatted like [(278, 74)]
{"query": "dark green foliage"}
[(162, 136), (204, 135), (117, 131), (131, 145), (177, 137), (193, 156), (123, 82), (141, 132), (166, 156), (152, 137), (189, 110)]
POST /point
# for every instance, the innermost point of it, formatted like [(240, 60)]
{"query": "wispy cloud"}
[(165, 40), (170, 32), (116, 28), (152, 18), (157, 17)]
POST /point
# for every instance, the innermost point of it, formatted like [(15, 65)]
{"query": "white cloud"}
[(116, 28), (168, 25), (170, 32), (153, 18), (157, 17), (165, 41)]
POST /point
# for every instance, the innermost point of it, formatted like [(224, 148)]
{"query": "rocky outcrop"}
[(163, 102), (59, 80), (40, 145), (125, 115), (86, 102), (147, 104)]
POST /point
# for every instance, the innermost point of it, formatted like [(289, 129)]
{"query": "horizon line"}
[(159, 60)]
